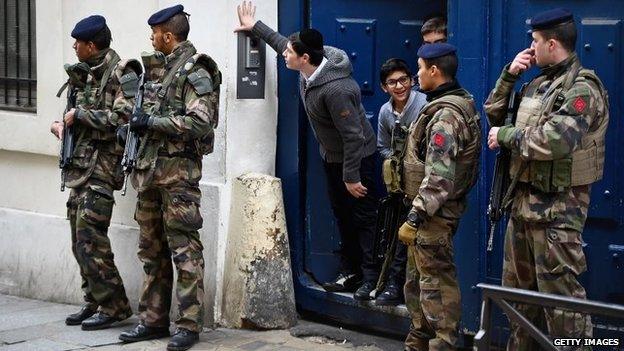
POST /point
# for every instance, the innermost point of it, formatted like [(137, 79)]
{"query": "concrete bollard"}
[(257, 284)]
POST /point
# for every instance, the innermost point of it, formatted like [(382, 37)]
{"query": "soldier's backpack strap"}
[(461, 105), (173, 71), (127, 74), (105, 77), (204, 80), (560, 87)]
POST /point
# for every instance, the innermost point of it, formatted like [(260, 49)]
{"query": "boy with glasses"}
[(401, 110)]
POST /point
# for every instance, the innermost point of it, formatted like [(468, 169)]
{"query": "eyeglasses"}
[(404, 80)]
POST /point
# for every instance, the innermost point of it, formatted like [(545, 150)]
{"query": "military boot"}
[(183, 339), (76, 318), (142, 332), (100, 320)]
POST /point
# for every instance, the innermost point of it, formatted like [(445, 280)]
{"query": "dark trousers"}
[(355, 218)]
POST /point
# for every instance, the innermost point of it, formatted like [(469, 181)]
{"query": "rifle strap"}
[(172, 72), (512, 186), (107, 74)]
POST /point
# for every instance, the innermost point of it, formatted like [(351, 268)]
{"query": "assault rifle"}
[(67, 139), (391, 214), (501, 184), (128, 160)]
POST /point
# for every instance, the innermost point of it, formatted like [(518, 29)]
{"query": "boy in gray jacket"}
[(332, 101)]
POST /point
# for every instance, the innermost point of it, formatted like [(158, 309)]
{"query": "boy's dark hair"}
[(102, 39), (392, 65), (434, 25), (308, 41), (178, 25), (564, 33), (447, 64)]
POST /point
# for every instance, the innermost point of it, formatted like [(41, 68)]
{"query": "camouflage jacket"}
[(182, 96), (557, 133), (104, 101), (446, 138)]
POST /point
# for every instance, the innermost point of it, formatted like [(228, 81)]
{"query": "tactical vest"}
[(414, 162), (91, 145), (585, 165), (164, 92)]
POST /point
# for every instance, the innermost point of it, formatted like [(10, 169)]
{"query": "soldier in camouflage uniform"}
[(105, 88), (181, 111), (439, 169), (557, 147)]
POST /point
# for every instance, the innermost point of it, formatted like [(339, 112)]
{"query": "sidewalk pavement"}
[(38, 325)]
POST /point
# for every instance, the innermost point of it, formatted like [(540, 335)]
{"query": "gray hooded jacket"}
[(334, 108)]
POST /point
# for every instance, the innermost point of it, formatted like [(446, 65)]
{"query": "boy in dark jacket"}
[(332, 101)]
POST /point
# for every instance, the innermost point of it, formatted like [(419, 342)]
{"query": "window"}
[(18, 60)]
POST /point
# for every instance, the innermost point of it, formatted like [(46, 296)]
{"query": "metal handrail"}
[(501, 296)]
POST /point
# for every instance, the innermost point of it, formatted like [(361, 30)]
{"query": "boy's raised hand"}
[(246, 16)]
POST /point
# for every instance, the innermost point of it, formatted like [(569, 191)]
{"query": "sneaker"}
[(364, 292), (344, 282)]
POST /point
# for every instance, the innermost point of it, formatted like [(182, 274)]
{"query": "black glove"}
[(139, 122), (122, 134)]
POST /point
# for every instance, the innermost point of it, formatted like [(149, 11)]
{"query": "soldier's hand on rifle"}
[(493, 138), (246, 16), (356, 189), (69, 117), (523, 61), (57, 129), (139, 122)]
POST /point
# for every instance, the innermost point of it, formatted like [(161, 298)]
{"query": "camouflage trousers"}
[(89, 211), (431, 289), (541, 257), (169, 221)]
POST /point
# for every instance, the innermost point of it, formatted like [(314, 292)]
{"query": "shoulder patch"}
[(439, 139), (129, 84), (579, 104), (201, 81)]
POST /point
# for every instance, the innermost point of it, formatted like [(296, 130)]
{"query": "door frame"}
[(290, 167)]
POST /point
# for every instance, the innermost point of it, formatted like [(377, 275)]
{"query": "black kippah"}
[(311, 38)]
